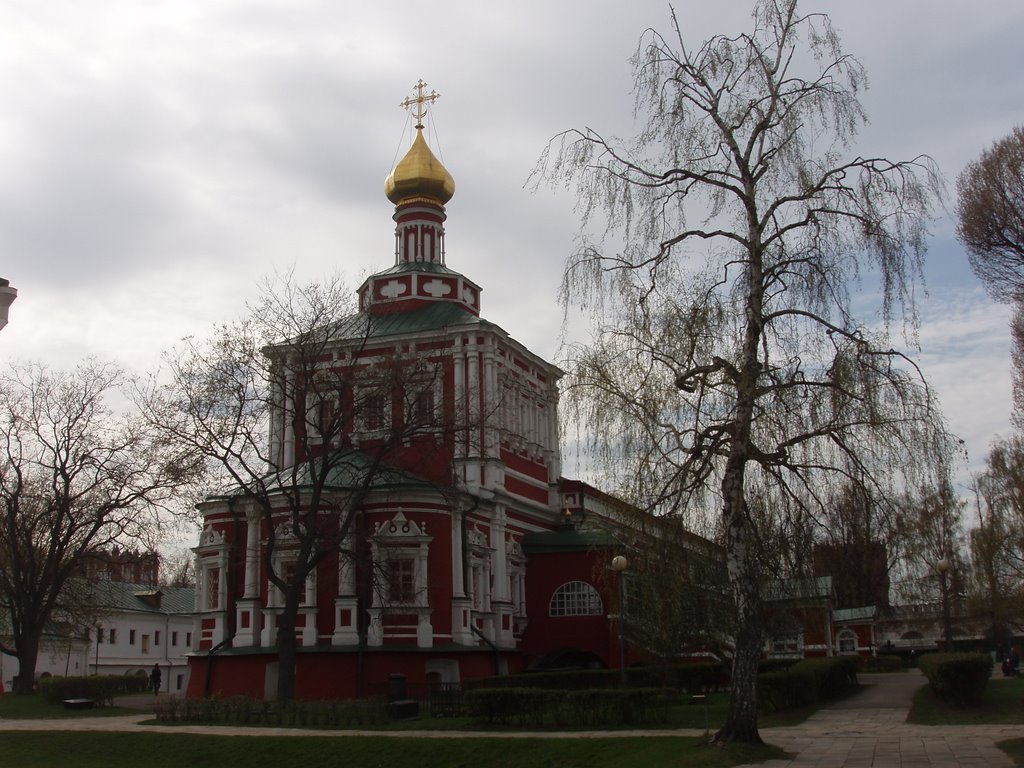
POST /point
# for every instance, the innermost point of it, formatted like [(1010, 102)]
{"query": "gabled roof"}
[(121, 596)]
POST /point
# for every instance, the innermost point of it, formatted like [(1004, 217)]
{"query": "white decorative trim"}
[(210, 537), (399, 527)]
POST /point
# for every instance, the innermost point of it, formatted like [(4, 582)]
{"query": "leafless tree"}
[(728, 363), (997, 544), (303, 413), (990, 212), (75, 478), (990, 224)]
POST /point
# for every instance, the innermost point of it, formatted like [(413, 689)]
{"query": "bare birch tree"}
[(997, 544), (728, 362)]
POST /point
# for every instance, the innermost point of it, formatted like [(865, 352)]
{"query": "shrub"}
[(700, 677), (538, 707), (959, 678), (242, 710), (806, 682), (889, 662), (505, 706), (101, 689), (835, 675), (786, 689)]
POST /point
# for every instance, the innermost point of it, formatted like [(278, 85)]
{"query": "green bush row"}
[(888, 662), (959, 678), (703, 677), (102, 689), (807, 682), (539, 708), (242, 710)]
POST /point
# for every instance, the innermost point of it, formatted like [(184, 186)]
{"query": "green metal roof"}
[(566, 539), (348, 469), (121, 596), (433, 317), (854, 614)]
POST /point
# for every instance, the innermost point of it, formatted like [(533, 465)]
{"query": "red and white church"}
[(486, 580)]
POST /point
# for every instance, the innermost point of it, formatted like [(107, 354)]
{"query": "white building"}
[(139, 626), (136, 626)]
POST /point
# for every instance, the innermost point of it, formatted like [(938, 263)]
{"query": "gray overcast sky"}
[(160, 157)]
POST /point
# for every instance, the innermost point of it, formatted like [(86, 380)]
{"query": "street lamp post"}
[(619, 565), (943, 567)]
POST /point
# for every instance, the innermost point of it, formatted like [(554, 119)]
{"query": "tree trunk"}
[(27, 647), (741, 720), (286, 655)]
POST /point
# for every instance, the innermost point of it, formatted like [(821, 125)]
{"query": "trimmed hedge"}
[(888, 662), (786, 689), (242, 710), (806, 682), (102, 689), (703, 677), (539, 708), (959, 678)]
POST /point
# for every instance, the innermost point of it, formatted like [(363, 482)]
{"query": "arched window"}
[(576, 598)]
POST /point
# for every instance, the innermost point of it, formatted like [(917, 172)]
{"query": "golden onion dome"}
[(419, 175)]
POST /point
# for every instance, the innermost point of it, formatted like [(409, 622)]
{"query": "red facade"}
[(448, 575)]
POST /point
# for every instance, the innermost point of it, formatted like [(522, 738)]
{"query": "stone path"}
[(868, 729)]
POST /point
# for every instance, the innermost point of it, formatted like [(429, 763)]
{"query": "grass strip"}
[(117, 750)]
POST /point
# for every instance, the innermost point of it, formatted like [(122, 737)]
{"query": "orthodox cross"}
[(419, 102)]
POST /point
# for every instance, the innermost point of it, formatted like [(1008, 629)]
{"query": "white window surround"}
[(283, 557), (211, 566), (576, 598), (846, 640), (400, 539)]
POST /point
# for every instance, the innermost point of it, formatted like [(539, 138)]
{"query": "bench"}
[(79, 703)]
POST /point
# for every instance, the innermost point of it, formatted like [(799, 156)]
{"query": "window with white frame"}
[(421, 400), (847, 641), (576, 598), (401, 580), (400, 550), (285, 566), (372, 411), (212, 576), (787, 644), (322, 414)]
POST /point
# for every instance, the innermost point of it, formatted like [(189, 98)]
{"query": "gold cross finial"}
[(419, 102)]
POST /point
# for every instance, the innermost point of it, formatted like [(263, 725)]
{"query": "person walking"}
[(155, 678)]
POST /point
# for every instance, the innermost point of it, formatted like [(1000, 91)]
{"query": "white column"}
[(458, 584), (499, 555), (288, 414), (252, 555), (461, 407), (473, 406)]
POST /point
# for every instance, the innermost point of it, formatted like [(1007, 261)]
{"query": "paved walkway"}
[(868, 729)]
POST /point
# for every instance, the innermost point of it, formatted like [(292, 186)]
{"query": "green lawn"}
[(1013, 748), (696, 713), (1003, 703), (14, 707), (127, 750)]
